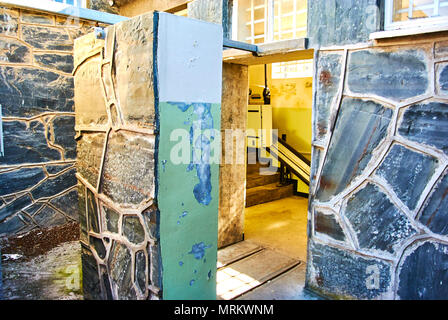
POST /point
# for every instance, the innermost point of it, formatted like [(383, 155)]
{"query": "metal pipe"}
[(227, 43)]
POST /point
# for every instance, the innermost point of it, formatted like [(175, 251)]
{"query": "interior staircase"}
[(265, 188)]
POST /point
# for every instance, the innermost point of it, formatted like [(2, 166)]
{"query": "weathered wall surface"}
[(37, 174), (148, 222), (215, 11), (378, 215), (340, 22), (114, 100), (232, 176), (102, 5)]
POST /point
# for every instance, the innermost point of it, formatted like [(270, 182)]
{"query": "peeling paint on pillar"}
[(179, 187)]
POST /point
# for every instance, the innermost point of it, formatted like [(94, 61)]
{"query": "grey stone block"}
[(365, 123), (435, 212), (377, 222), (408, 172), (394, 75), (28, 143), (342, 274), (423, 275), (426, 123), (326, 223)]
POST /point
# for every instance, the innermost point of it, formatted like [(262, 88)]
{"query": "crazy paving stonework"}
[(37, 170), (379, 184), (119, 223), (149, 225)]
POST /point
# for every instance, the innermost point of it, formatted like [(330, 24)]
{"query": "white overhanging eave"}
[(409, 31), (66, 10)]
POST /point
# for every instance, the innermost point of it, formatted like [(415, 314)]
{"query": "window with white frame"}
[(413, 13), (75, 3), (261, 21)]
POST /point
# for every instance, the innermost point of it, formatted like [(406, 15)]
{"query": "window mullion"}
[(436, 7), (410, 9)]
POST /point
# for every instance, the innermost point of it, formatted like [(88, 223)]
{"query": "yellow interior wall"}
[(291, 101)]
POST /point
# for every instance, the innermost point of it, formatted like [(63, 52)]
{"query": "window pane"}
[(420, 9)]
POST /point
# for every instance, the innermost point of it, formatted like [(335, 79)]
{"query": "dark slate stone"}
[(441, 49), (47, 38), (133, 229), (19, 180), (11, 226), (102, 5), (443, 80), (26, 144), (15, 206), (60, 62), (9, 23), (152, 222), (64, 135), (329, 68), (48, 217), (89, 154), (68, 203), (424, 273), (107, 290), (378, 224), (55, 185), (339, 22), (13, 51), (27, 92), (408, 172), (341, 274), (57, 168), (112, 218), (92, 212), (426, 123), (328, 225), (316, 155), (128, 176), (90, 276), (394, 75), (140, 270), (99, 246), (120, 266), (365, 123), (37, 18), (155, 265), (31, 210), (435, 212), (82, 210)]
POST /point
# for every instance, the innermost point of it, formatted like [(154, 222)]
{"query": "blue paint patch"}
[(198, 250), (184, 214), (178, 222), (209, 275), (181, 263), (191, 282), (195, 271), (164, 165), (201, 150)]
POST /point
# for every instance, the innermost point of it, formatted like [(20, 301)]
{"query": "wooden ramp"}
[(245, 266)]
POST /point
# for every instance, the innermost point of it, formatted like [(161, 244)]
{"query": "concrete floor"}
[(279, 225)]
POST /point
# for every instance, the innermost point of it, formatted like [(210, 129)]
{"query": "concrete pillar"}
[(147, 102)]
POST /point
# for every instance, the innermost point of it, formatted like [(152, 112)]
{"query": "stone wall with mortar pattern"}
[(115, 132), (378, 213), (37, 170)]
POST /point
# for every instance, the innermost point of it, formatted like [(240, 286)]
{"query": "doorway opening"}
[(270, 262)]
